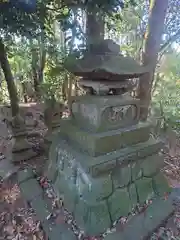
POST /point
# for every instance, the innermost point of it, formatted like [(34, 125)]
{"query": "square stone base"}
[(99, 190)]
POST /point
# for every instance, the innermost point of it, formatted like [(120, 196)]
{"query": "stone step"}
[(143, 225), (96, 144), (34, 195)]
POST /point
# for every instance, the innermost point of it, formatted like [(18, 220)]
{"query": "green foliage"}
[(167, 93)]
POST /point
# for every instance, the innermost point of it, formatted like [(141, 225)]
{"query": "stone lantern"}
[(104, 161)]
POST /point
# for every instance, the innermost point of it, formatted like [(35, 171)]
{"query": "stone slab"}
[(95, 113), (142, 225), (33, 193), (25, 175), (96, 144), (175, 195), (61, 151), (30, 189), (55, 232), (160, 184), (23, 155), (93, 218), (121, 176), (119, 204), (41, 208), (7, 168), (145, 189)]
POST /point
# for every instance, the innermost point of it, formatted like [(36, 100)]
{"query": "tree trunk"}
[(35, 69), (153, 38), (12, 90), (94, 27), (42, 57)]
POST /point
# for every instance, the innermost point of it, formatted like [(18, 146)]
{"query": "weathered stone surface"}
[(61, 150), (114, 160), (21, 150), (144, 189), (119, 203), (67, 191), (175, 195), (94, 218), (23, 155), (7, 168), (61, 231), (152, 165), (99, 174), (41, 208), (101, 143), (160, 184), (81, 212), (51, 165), (144, 224), (102, 114), (121, 176), (67, 233), (136, 170), (25, 175), (100, 189), (30, 189), (103, 60), (133, 195)]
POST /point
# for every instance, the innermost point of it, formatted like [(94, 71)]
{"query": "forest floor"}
[(18, 221)]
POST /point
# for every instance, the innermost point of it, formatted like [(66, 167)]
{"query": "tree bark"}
[(34, 65), (153, 37), (12, 90)]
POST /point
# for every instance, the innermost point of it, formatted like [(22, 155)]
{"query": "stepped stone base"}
[(96, 144), (99, 190), (139, 227)]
